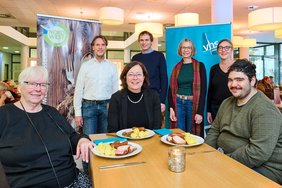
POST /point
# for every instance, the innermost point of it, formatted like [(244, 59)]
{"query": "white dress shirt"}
[(95, 81)]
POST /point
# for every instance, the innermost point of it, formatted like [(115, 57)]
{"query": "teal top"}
[(185, 80)]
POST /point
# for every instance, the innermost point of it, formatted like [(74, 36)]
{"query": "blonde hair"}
[(193, 52)]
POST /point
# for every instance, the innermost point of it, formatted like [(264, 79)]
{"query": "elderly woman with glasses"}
[(37, 144), (187, 91), (134, 105), (218, 89)]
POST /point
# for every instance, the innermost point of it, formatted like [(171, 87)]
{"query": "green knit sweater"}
[(250, 134)]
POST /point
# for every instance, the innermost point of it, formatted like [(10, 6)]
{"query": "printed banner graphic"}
[(205, 39), (62, 45)]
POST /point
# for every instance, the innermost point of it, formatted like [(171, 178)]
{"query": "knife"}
[(119, 165), (205, 151)]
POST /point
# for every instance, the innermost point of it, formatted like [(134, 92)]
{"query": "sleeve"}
[(113, 114), (203, 89), (134, 58), (214, 131), (157, 111), (265, 129), (210, 90), (115, 80), (3, 122), (169, 98), (164, 79), (65, 127), (78, 92)]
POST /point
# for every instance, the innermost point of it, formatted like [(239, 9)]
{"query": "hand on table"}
[(82, 149)]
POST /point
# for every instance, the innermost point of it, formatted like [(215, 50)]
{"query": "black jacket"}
[(117, 113)]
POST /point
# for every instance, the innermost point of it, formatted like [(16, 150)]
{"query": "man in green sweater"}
[(248, 126)]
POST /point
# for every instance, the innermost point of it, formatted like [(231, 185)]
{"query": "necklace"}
[(135, 102)]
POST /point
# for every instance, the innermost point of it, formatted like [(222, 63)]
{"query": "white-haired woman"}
[(36, 142)]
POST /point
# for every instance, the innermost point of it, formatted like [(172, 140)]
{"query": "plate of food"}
[(182, 139), (117, 149), (136, 133)]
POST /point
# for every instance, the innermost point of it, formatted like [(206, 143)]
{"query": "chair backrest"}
[(3, 179)]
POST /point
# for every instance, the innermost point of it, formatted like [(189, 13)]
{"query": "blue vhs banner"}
[(205, 39)]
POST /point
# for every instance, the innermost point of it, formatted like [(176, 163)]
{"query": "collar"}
[(149, 51), (99, 61)]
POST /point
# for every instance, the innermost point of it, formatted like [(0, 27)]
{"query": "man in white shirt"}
[(97, 80)]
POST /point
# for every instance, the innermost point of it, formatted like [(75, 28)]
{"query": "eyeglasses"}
[(186, 48), (34, 84), (138, 75), (225, 48)]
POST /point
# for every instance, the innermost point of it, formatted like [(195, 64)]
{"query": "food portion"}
[(181, 138), (116, 148), (136, 132)]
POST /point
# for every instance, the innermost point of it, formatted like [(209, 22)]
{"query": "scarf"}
[(196, 129)]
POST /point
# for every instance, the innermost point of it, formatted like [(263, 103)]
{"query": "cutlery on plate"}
[(120, 165), (196, 152)]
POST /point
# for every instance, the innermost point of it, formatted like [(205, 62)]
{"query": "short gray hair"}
[(30, 72), (193, 48)]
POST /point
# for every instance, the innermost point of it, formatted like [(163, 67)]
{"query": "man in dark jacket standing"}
[(155, 63)]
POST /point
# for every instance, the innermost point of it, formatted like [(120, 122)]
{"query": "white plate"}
[(138, 150), (119, 133), (200, 141)]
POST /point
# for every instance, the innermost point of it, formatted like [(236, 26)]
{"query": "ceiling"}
[(23, 13)]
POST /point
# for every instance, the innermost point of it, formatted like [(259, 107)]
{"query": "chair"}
[(206, 130)]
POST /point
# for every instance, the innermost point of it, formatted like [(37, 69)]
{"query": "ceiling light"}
[(5, 48), (186, 19), (237, 41), (111, 15), (155, 28), (249, 42), (278, 33), (17, 51), (265, 19), (33, 63)]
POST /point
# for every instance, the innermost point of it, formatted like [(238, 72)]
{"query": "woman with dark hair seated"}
[(134, 105)]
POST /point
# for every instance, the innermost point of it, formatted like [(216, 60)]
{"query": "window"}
[(267, 65)]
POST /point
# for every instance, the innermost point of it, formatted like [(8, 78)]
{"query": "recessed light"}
[(148, 16), (5, 47), (252, 7)]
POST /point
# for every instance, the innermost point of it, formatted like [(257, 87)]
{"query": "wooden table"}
[(212, 169)]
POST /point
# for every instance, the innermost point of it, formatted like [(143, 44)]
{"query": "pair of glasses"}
[(225, 48), (139, 75), (186, 48), (34, 84)]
